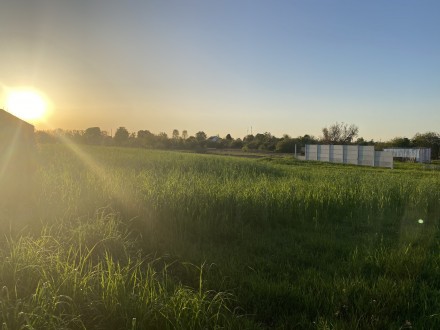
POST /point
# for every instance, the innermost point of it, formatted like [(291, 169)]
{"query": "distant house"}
[(213, 142), (13, 130), (17, 165), (214, 139), (16, 140)]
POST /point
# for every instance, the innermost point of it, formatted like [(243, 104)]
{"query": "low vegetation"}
[(121, 238)]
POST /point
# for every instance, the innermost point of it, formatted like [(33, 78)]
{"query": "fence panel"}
[(366, 155), (349, 154), (337, 154)]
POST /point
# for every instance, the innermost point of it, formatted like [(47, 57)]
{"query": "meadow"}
[(120, 238)]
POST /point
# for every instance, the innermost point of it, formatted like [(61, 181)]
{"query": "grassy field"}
[(118, 238)]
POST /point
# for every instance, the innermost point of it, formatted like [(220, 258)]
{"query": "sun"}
[(27, 104)]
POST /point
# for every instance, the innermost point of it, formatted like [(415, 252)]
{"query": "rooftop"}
[(6, 116)]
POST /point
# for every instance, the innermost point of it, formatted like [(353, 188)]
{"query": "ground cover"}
[(133, 239)]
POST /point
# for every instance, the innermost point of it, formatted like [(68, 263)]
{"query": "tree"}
[(267, 142), (227, 141), (401, 142), (44, 137), (176, 141), (184, 134), (307, 139), (261, 141), (145, 138), (191, 142), (339, 133), (145, 134), (362, 142), (162, 141), (92, 135), (428, 140), (121, 136), (201, 136), (286, 145), (237, 143)]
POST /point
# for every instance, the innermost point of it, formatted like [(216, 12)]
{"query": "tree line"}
[(338, 133)]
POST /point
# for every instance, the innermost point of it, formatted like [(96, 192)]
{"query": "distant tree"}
[(201, 137), (145, 138), (92, 135), (260, 137), (191, 143), (400, 142), (176, 141), (362, 142), (261, 141), (132, 142), (184, 134), (106, 139), (162, 136), (121, 136), (237, 143), (251, 144), (268, 142), (44, 137), (227, 141), (428, 140), (162, 141), (306, 139), (77, 136), (144, 134), (286, 145), (340, 133)]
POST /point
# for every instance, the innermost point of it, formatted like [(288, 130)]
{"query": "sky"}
[(227, 66)]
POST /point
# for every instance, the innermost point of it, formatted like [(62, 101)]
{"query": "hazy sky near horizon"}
[(222, 66)]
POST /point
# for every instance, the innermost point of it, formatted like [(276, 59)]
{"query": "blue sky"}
[(223, 66)]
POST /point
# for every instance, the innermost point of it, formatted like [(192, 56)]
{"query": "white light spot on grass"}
[(420, 221)]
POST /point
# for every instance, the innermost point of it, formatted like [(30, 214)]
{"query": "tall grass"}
[(87, 275), (290, 244)]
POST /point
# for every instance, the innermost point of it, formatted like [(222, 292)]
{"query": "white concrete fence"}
[(348, 154), (420, 155)]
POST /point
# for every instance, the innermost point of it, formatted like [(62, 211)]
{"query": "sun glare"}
[(27, 104)]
